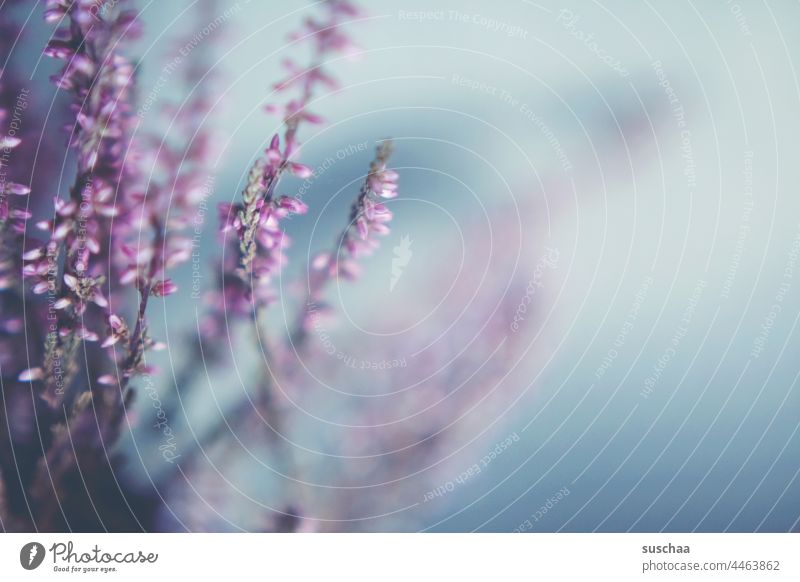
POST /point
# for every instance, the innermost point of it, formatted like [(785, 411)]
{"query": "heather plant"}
[(13, 219), (77, 289)]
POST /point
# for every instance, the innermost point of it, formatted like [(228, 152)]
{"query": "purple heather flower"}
[(251, 229), (12, 220), (118, 330), (368, 219), (14, 216), (162, 288), (99, 77)]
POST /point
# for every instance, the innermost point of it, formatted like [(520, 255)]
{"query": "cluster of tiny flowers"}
[(99, 78), (368, 220), (179, 184), (368, 217), (12, 219), (255, 241), (12, 227)]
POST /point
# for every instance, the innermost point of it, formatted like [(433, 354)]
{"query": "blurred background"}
[(584, 318)]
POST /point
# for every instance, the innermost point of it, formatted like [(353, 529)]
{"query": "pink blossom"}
[(163, 288)]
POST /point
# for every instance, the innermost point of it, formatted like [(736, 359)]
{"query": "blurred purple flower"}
[(251, 230), (368, 219)]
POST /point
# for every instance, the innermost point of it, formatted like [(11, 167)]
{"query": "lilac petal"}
[(300, 170), (70, 280), (115, 322), (313, 118), (31, 374), (40, 287), (33, 254), (293, 205), (110, 341), (8, 142), (61, 231), (98, 299), (363, 228), (62, 303), (18, 189), (128, 276), (321, 261), (163, 288), (86, 335)]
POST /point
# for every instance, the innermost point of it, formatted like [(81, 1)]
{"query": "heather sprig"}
[(19, 413), (70, 266), (13, 214), (116, 233), (256, 219), (251, 229), (179, 185), (368, 220)]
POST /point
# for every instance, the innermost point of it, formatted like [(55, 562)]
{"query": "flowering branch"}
[(368, 219), (256, 220), (99, 79), (251, 229)]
